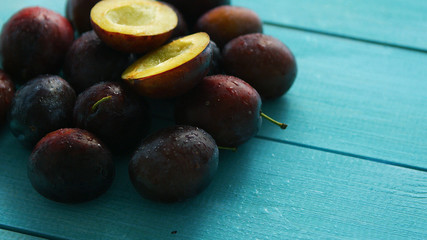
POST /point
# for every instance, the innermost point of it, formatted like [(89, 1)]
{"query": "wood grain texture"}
[(395, 22), (265, 190)]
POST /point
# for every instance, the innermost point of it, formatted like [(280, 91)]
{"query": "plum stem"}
[(95, 105), (281, 125), (228, 148)]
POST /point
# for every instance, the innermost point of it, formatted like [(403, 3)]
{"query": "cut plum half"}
[(134, 26), (172, 69)]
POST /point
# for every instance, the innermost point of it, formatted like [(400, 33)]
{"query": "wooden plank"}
[(395, 22), (265, 190), (10, 235)]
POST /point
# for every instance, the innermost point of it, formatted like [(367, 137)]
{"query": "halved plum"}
[(172, 69), (134, 26)]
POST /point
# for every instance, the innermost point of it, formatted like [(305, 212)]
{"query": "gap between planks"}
[(342, 36), (347, 154)]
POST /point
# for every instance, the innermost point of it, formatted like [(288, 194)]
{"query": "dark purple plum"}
[(40, 106), (216, 63), (263, 61), (226, 107), (193, 9), (114, 113), (7, 91), (78, 13), (34, 41), (174, 164), (225, 23), (90, 61), (71, 165)]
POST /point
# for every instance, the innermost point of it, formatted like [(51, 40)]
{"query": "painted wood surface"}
[(266, 190), (351, 165), (399, 23)]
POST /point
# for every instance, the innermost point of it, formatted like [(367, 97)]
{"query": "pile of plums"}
[(82, 84)]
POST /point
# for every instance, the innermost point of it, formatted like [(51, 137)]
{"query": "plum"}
[(226, 107), (263, 61), (174, 164), (172, 69), (216, 63), (114, 113), (7, 91), (90, 61), (193, 9), (134, 26), (225, 22), (70, 165), (78, 13), (34, 41), (40, 106)]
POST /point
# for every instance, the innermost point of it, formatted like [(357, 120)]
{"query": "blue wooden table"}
[(351, 165)]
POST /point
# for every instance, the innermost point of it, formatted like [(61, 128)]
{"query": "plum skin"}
[(78, 13), (120, 122), (174, 164), (34, 41), (263, 61), (226, 107), (193, 9), (216, 63), (225, 23), (7, 92), (40, 106), (70, 166), (90, 61), (181, 28)]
